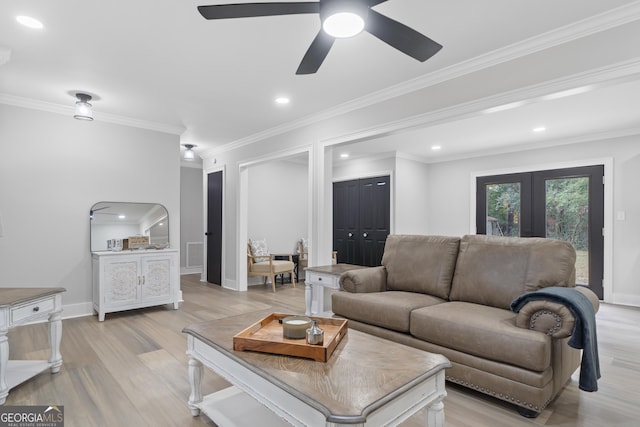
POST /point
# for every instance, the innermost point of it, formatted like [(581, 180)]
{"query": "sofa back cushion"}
[(421, 264), (493, 270)]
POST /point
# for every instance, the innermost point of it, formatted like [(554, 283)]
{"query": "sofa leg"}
[(528, 413)]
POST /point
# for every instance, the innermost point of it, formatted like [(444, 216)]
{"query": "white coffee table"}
[(362, 384)]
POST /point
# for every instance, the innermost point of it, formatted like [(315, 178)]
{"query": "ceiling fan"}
[(334, 15)]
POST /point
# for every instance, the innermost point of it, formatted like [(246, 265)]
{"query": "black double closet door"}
[(361, 220)]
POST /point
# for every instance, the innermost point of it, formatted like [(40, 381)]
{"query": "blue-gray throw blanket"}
[(584, 331)]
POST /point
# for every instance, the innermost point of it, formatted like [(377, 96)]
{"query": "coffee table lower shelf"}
[(231, 407)]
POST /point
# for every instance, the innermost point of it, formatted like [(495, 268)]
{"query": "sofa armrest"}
[(372, 279), (552, 318)]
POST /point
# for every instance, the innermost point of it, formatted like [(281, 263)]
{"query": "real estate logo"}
[(32, 416)]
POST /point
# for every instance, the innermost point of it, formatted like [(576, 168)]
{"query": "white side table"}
[(24, 305), (319, 283)]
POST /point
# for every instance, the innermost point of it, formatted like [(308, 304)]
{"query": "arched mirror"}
[(128, 226)]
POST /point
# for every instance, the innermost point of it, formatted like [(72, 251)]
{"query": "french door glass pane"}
[(567, 218), (503, 209)]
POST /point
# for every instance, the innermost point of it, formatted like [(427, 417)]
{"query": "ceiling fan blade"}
[(316, 53), (401, 37), (247, 10)]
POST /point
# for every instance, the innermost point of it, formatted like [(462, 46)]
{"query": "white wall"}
[(191, 211), (450, 195), (53, 168), (278, 204), (412, 206)]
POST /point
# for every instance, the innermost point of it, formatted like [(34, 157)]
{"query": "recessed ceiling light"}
[(30, 22), (344, 155), (436, 147), (539, 129), (282, 100), (121, 216)]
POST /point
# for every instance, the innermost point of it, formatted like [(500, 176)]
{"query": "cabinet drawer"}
[(326, 280), (32, 309)]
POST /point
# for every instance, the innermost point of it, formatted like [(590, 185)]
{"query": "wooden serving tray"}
[(265, 336)]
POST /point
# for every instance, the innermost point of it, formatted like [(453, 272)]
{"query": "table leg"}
[(435, 414), (4, 359), (308, 291), (195, 381), (55, 336)]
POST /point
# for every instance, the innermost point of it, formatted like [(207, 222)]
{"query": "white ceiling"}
[(159, 64)]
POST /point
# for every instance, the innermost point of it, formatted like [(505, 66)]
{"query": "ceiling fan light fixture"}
[(343, 25), (84, 110), (343, 18)]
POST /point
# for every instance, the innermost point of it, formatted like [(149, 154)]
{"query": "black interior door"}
[(361, 220), (214, 228), (565, 204)]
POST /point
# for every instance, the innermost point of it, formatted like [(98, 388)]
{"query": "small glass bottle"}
[(315, 335)]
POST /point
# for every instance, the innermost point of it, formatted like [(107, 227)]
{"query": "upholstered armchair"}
[(303, 255), (262, 263)]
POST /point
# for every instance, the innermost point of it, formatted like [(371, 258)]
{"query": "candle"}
[(295, 327)]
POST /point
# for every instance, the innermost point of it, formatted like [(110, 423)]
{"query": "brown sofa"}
[(452, 296)]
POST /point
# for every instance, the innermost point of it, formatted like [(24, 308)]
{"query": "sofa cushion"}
[(390, 309), (421, 264), (482, 331), (493, 270)]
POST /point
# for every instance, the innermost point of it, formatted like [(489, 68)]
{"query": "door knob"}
[(350, 234), (364, 234)]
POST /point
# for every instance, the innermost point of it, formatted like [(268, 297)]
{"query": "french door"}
[(564, 204)]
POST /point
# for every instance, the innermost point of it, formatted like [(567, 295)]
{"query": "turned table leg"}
[(55, 336), (435, 414), (195, 381)]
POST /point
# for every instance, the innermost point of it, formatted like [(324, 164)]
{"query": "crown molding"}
[(51, 107), (579, 139), (598, 23)]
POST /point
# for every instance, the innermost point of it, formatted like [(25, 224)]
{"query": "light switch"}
[(621, 215)]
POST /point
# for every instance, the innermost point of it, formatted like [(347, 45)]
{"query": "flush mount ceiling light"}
[(189, 154), (83, 109)]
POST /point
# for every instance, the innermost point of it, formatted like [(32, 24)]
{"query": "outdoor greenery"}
[(567, 210), (567, 215), (503, 209)]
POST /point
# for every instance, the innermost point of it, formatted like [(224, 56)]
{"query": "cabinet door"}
[(156, 278), (121, 278)]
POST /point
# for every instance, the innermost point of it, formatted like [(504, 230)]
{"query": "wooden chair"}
[(268, 266)]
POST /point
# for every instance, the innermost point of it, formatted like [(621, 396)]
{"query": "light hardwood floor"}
[(131, 370)]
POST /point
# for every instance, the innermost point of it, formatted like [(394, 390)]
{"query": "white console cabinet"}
[(134, 279)]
